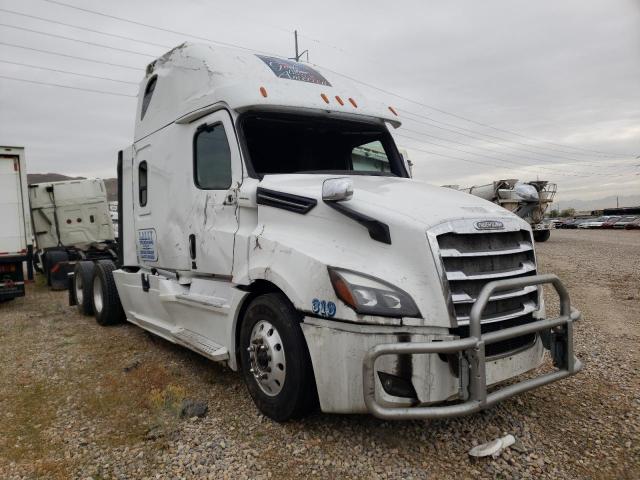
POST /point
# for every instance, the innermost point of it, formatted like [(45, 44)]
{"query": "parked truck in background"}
[(16, 245), (252, 231), (528, 200), (71, 222)]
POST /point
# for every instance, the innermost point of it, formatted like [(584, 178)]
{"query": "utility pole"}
[(617, 202), (298, 54)]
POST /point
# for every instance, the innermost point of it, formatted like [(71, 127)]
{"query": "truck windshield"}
[(285, 143)]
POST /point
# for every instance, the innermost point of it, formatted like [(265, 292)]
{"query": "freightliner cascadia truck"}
[(249, 234), (16, 245)]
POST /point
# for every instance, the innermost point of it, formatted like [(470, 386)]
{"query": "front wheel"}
[(275, 361)]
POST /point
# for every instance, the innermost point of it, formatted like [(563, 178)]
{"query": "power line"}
[(499, 138), (122, 37), (93, 44), (67, 86), (507, 162), (475, 137), (407, 99), (68, 72), (161, 29), (69, 56), (488, 149), (501, 166)]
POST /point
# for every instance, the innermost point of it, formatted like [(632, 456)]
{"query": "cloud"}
[(562, 72)]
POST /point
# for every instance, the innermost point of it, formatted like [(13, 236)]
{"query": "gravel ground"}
[(81, 401)]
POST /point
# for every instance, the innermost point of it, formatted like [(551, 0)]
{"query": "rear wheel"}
[(541, 235), (275, 361), (82, 285), (105, 299)]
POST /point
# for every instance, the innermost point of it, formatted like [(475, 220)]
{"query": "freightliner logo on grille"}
[(489, 225)]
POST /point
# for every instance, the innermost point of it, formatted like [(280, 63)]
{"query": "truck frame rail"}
[(557, 335)]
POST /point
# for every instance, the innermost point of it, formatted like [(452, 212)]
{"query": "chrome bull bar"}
[(557, 335)]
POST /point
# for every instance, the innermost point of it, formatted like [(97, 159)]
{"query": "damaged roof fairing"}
[(194, 76)]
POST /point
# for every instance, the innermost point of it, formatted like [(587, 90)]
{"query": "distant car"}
[(574, 223), (599, 222), (634, 225), (592, 222), (624, 221), (610, 222)]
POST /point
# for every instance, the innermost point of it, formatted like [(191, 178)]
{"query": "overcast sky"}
[(565, 72)]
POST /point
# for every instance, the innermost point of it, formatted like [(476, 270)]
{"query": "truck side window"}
[(142, 183), (212, 158), (148, 92)]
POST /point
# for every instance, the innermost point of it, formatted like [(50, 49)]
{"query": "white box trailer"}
[(71, 222), (253, 231), (16, 244)]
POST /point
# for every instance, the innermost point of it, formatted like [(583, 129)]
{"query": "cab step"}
[(201, 344)]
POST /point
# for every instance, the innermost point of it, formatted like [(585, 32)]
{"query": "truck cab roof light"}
[(393, 111), (339, 100), (263, 92), (353, 102), (324, 97)]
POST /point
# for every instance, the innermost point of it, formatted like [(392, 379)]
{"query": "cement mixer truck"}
[(528, 200)]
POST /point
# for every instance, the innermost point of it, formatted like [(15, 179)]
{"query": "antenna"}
[(298, 55)]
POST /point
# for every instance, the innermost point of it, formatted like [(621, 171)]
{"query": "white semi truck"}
[(71, 222), (16, 245), (249, 234), (528, 200)]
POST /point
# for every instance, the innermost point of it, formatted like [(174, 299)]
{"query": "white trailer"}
[(250, 234), (528, 200), (71, 222), (16, 246)]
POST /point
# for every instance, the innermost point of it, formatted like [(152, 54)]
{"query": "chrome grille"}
[(471, 260)]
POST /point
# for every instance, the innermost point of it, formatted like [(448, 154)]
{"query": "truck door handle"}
[(192, 246)]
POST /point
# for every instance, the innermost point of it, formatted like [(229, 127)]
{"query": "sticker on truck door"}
[(147, 245)]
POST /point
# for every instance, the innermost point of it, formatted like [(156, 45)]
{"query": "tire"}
[(541, 235), (295, 395), (83, 286), (105, 300)]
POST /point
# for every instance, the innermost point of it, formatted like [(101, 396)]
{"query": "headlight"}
[(370, 296)]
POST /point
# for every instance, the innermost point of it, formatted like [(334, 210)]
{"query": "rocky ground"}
[(81, 401)]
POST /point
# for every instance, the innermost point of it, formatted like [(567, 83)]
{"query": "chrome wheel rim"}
[(97, 294), (79, 292), (266, 357)]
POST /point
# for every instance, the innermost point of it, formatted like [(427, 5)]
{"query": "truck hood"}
[(387, 197)]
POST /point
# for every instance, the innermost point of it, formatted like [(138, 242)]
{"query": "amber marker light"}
[(353, 102), (263, 92), (339, 100), (393, 111), (324, 97)]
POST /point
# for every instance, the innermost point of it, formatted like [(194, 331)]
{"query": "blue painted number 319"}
[(323, 308)]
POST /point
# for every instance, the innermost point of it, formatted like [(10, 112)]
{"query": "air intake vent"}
[(286, 201)]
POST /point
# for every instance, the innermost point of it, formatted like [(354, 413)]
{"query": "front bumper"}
[(349, 358), (557, 332)]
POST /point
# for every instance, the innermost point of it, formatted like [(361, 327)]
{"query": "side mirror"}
[(337, 189)]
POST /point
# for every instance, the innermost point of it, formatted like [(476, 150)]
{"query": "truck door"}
[(212, 217)]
